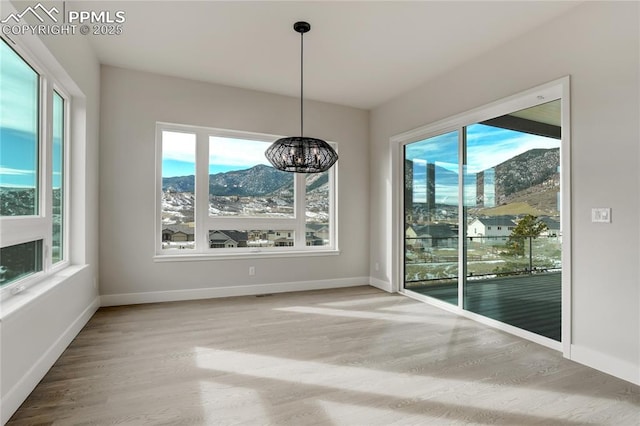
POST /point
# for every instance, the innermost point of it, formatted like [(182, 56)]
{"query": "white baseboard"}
[(606, 363), (381, 284), (12, 400), (229, 291)]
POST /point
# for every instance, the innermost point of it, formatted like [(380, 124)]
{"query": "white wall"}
[(597, 44), (132, 103), (52, 313)]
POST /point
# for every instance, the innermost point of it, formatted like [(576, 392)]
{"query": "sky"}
[(487, 147), (18, 120), (225, 154), (19, 143)]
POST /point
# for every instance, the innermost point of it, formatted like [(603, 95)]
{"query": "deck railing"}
[(436, 258)]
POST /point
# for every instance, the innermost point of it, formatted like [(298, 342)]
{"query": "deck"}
[(529, 302)]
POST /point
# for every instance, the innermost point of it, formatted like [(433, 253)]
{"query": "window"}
[(33, 141), (178, 190), (19, 180), (57, 175), (242, 183), (218, 194)]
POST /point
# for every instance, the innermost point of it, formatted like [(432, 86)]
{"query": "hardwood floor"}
[(355, 356)]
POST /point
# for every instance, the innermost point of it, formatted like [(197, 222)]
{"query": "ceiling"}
[(543, 120), (547, 113), (359, 54)]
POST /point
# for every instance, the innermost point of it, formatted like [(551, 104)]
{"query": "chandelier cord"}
[(301, 84)]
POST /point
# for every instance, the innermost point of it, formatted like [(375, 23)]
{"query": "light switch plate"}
[(601, 215)]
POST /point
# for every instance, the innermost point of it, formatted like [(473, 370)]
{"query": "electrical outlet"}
[(377, 266), (252, 270)]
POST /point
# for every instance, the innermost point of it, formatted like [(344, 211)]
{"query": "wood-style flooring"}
[(355, 356)]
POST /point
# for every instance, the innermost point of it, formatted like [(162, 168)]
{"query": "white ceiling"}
[(359, 54)]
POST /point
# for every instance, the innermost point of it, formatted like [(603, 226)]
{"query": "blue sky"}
[(487, 147), (18, 120), (225, 154)]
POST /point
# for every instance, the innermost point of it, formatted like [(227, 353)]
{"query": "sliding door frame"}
[(557, 89)]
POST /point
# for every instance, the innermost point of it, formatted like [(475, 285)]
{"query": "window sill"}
[(12, 303), (240, 256)]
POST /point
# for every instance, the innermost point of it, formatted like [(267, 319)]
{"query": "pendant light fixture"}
[(301, 154)]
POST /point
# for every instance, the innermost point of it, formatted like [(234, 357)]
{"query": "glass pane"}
[(243, 183), (431, 217), (513, 238), (317, 209), (178, 190), (19, 137), (58, 178), (225, 238), (20, 261)]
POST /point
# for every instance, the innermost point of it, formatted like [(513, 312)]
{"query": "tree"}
[(528, 227)]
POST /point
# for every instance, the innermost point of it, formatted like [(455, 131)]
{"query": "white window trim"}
[(23, 229), (204, 222)]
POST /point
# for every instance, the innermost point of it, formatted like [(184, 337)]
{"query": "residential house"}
[(441, 235), (177, 233), (227, 239), (280, 238), (491, 228), (317, 234), (553, 226)]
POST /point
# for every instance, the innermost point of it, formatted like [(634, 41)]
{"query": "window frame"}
[(204, 222), (23, 229)]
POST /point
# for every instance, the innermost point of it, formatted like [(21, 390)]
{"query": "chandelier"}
[(300, 154)]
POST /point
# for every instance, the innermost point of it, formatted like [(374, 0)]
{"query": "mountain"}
[(256, 181), (260, 190), (523, 171), (179, 183), (530, 181), (317, 182), (527, 181)]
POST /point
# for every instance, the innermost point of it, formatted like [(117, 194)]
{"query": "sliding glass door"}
[(431, 211), (512, 219), (482, 218)]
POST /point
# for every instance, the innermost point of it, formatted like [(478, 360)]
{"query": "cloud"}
[(487, 150), (487, 147), (8, 171), (19, 87), (236, 152), (222, 151), (179, 146), (442, 148)]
